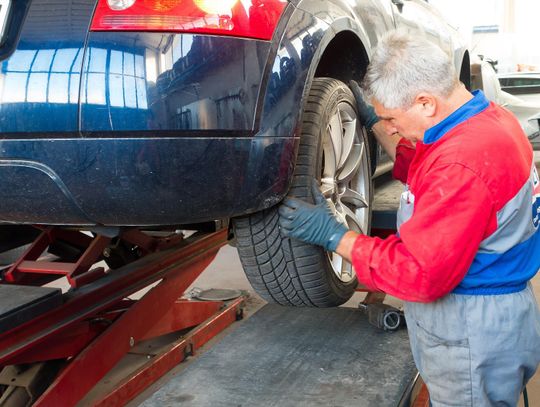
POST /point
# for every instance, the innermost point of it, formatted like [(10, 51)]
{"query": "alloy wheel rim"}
[(345, 178)]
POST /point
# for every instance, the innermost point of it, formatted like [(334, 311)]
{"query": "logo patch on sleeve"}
[(535, 198)]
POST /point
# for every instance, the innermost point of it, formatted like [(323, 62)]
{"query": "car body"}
[(171, 114), (525, 85), (162, 128)]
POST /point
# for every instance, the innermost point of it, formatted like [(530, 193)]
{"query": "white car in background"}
[(525, 85)]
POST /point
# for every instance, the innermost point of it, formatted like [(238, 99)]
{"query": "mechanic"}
[(468, 240)]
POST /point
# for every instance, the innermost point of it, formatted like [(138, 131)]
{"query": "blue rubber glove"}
[(365, 111), (315, 224)]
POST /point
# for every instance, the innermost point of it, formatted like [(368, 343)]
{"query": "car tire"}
[(290, 272)]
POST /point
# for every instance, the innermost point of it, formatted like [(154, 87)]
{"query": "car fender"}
[(291, 69)]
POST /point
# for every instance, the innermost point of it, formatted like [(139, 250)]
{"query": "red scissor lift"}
[(55, 347)]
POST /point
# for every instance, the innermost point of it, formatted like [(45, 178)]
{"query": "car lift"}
[(56, 347), (78, 336)]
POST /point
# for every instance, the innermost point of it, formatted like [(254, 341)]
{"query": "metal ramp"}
[(285, 356), (20, 304), (55, 348)]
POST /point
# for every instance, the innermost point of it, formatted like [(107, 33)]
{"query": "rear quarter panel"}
[(39, 86)]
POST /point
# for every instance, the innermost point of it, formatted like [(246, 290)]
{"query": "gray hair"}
[(403, 65)]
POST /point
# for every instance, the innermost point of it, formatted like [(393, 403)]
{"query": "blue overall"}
[(475, 350), (480, 344)]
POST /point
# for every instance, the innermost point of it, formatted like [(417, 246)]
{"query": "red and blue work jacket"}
[(469, 216)]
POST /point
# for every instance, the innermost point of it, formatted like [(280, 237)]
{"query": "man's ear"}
[(428, 104)]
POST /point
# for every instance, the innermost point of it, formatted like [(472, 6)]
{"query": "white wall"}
[(518, 39)]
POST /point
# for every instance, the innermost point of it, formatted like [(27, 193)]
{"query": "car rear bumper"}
[(143, 181)]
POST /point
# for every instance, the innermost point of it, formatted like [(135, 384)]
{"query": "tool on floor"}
[(383, 316)]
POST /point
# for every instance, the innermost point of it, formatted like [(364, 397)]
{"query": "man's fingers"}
[(285, 222), (286, 212), (318, 197), (286, 227), (292, 203), (355, 88)]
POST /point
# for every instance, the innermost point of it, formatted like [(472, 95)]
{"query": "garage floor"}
[(297, 357), (226, 272)]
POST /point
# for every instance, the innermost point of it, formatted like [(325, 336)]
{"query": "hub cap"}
[(345, 178)]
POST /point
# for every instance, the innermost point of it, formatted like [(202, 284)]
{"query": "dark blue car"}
[(165, 113)]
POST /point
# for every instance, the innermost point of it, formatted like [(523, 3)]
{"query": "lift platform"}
[(55, 347), (283, 356), (58, 348)]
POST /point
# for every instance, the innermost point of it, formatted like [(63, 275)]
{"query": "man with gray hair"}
[(468, 240)]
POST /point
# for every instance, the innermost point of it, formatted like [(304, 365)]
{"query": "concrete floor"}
[(226, 272)]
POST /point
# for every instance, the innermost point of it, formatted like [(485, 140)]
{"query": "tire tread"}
[(281, 270)]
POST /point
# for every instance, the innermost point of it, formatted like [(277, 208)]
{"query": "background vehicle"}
[(525, 85), (158, 114)]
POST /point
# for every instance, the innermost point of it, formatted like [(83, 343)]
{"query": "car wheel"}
[(334, 149)]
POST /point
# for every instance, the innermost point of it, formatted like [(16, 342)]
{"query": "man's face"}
[(410, 123)]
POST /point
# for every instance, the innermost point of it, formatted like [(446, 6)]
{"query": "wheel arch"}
[(344, 58), (341, 54), (340, 51), (465, 71)]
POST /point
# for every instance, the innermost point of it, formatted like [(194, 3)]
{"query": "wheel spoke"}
[(342, 267), (352, 164), (352, 218), (329, 158), (334, 210), (349, 128), (336, 135), (354, 198), (346, 268), (327, 187), (337, 262)]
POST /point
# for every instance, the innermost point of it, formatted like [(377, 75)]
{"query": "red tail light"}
[(240, 18)]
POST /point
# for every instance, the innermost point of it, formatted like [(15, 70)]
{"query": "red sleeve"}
[(405, 151), (453, 213)]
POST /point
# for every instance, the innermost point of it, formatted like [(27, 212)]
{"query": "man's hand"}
[(372, 122), (365, 110), (315, 224)]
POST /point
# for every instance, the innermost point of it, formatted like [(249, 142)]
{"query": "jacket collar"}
[(474, 106)]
